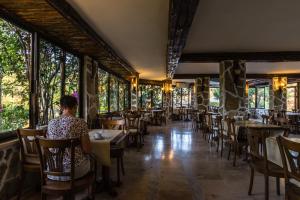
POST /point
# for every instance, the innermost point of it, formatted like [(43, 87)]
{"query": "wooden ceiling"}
[(57, 20)]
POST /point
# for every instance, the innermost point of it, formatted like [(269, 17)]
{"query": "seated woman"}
[(68, 126)]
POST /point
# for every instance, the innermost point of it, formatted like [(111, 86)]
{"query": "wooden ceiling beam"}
[(66, 10), (279, 56), (181, 15)]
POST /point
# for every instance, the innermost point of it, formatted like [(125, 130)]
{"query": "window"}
[(15, 62), (181, 97), (122, 90), (177, 97), (72, 75), (145, 96), (252, 97), (214, 96), (258, 97), (185, 95), (157, 96), (51, 60), (103, 90), (291, 97), (114, 92)]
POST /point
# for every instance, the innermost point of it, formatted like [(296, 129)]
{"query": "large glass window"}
[(15, 62), (177, 97), (72, 75), (214, 96), (259, 97), (122, 90), (291, 96), (103, 90), (182, 97), (252, 97), (145, 96), (113, 93), (51, 60), (157, 96), (185, 95)]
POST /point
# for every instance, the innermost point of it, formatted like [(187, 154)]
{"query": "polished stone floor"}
[(176, 163)]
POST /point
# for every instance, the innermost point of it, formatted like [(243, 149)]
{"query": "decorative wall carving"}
[(232, 87)]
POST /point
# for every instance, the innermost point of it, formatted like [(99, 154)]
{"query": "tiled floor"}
[(176, 163)]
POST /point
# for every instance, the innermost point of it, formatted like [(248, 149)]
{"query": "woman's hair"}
[(68, 101)]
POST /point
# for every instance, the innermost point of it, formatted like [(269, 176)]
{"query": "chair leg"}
[(251, 181), (222, 144), (235, 152), (43, 196), (118, 172), (218, 141), (229, 150), (278, 185), (122, 166), (22, 173), (266, 187)]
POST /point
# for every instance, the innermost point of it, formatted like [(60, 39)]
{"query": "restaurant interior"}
[(150, 99)]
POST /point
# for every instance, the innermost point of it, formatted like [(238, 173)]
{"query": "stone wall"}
[(202, 93), (10, 171), (90, 91), (232, 87)]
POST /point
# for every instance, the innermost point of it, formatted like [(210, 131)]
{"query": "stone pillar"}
[(90, 100), (202, 93), (134, 92), (167, 96), (232, 87), (279, 93)]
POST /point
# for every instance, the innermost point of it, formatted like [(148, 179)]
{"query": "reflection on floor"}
[(178, 164)]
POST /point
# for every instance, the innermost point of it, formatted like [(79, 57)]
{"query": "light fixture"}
[(247, 88), (279, 83)]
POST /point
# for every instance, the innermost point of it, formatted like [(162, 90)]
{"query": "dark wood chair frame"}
[(291, 169), (28, 152), (51, 153), (259, 160)]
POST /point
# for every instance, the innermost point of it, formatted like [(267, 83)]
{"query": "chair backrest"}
[(219, 124), (132, 121), (116, 124), (290, 154), (52, 153), (257, 144), (265, 119), (230, 124), (27, 143)]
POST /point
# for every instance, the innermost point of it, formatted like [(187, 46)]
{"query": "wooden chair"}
[(290, 154), (29, 156), (218, 130), (132, 122), (259, 160), (230, 137), (116, 151), (265, 119), (52, 153)]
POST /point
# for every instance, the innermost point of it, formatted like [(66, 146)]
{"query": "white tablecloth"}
[(101, 148)]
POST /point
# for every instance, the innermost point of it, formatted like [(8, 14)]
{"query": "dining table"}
[(242, 126), (101, 141)]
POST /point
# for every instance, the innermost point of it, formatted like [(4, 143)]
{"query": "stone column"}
[(232, 87), (167, 96), (134, 92), (279, 93), (202, 93), (90, 100)]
